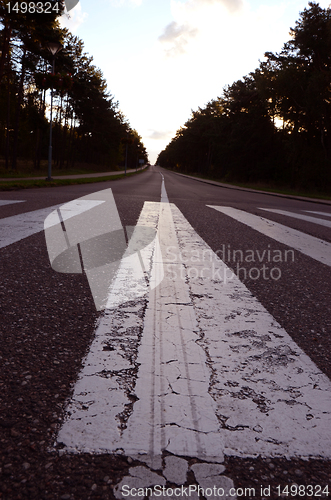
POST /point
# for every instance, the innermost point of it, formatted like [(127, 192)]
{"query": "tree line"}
[(272, 126), (88, 127)]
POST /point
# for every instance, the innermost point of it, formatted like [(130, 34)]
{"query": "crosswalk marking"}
[(307, 218), (169, 361), (19, 227), (102, 395), (174, 410), (318, 213), (216, 374), (10, 202), (309, 245), (263, 383)]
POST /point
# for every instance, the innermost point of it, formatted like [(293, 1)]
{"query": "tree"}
[(274, 125), (22, 36), (87, 126)]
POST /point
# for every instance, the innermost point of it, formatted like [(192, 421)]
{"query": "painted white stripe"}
[(10, 202), (318, 213), (69, 210), (130, 283), (309, 245), (175, 411), (217, 374), (102, 393), (164, 196), (263, 383), (18, 227), (307, 218)]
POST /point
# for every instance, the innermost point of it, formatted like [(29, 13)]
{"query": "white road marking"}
[(164, 196), (318, 213), (216, 373), (18, 227), (174, 411), (10, 202), (102, 395), (271, 398), (87, 234), (69, 210), (309, 245), (307, 218)]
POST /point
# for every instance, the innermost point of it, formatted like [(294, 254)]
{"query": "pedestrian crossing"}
[(193, 364), (215, 373), (19, 227), (307, 218), (315, 248), (10, 202), (319, 213)]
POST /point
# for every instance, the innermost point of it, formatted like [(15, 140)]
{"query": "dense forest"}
[(88, 127), (274, 125)]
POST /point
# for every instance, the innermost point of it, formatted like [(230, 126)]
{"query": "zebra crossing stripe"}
[(318, 213), (315, 248), (307, 218), (18, 227), (10, 202)]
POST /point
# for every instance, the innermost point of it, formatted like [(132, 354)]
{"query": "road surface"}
[(205, 362)]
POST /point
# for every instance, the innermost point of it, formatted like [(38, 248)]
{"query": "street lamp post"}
[(54, 48)]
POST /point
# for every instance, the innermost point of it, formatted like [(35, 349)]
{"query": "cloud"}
[(189, 17), (176, 37), (74, 19), (160, 135)]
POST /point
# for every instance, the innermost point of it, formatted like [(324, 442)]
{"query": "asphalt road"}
[(263, 342)]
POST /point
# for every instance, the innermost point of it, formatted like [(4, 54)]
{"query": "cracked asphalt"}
[(49, 325)]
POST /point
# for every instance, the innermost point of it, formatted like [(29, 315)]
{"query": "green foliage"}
[(272, 126)]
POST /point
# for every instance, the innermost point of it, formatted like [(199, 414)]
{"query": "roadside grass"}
[(267, 187), (30, 183), (26, 169)]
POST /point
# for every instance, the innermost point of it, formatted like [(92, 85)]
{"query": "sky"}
[(164, 58)]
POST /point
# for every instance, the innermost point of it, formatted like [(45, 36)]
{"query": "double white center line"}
[(174, 411)]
